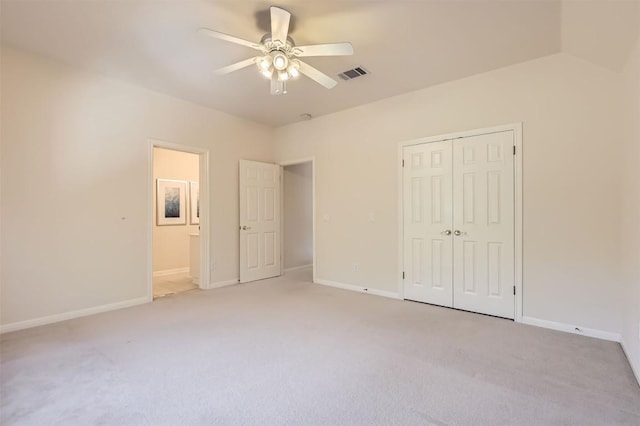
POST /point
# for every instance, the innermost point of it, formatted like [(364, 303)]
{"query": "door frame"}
[(204, 188), (282, 164), (517, 133)]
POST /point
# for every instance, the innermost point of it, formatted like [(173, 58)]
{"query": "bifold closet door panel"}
[(483, 223), (427, 211)]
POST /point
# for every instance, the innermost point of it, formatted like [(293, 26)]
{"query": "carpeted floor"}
[(287, 352)]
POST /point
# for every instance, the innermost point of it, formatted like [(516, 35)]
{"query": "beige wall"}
[(570, 111), (75, 184), (171, 243), (630, 211), (298, 215)]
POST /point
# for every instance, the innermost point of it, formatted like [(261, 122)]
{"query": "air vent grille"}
[(353, 73)]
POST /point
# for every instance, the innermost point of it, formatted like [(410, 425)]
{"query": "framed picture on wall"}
[(171, 202), (194, 198)]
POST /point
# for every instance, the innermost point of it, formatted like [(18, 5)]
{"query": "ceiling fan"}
[(278, 54)]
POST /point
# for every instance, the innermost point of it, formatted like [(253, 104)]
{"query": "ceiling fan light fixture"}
[(283, 75), (267, 73), (280, 61), (265, 62), (293, 69)]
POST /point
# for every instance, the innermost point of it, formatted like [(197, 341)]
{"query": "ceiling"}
[(405, 45)]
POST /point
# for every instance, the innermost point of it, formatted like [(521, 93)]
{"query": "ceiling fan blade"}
[(235, 67), (232, 39), (331, 49), (317, 76), (279, 24)]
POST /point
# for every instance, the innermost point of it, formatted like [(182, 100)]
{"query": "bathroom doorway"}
[(178, 219)]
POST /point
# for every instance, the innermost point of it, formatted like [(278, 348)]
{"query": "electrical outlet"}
[(355, 267)]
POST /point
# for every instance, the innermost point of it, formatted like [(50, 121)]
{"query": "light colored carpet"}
[(172, 284), (287, 352)]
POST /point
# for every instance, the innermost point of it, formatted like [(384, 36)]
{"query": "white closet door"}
[(259, 220), (483, 216), (427, 220)]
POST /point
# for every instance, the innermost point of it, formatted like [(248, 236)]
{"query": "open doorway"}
[(178, 212), (298, 219)]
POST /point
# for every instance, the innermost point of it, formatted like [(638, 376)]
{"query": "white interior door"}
[(259, 220), (483, 222), (428, 214)]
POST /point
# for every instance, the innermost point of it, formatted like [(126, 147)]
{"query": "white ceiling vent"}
[(354, 73)]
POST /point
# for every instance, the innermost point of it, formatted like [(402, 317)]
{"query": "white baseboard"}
[(359, 289), (575, 329), (634, 367), (225, 283), (166, 272), (296, 268), (21, 325)]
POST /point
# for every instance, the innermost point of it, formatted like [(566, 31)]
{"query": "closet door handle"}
[(244, 228), (457, 232), (447, 232)]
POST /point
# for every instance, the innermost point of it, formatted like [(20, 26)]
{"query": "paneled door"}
[(483, 222), (459, 233), (259, 220), (428, 217)]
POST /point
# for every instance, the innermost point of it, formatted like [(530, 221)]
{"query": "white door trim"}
[(517, 133), (282, 164), (204, 186)]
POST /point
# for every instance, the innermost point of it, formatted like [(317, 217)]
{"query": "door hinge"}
[(402, 163), (403, 275), (514, 150), (514, 290)]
